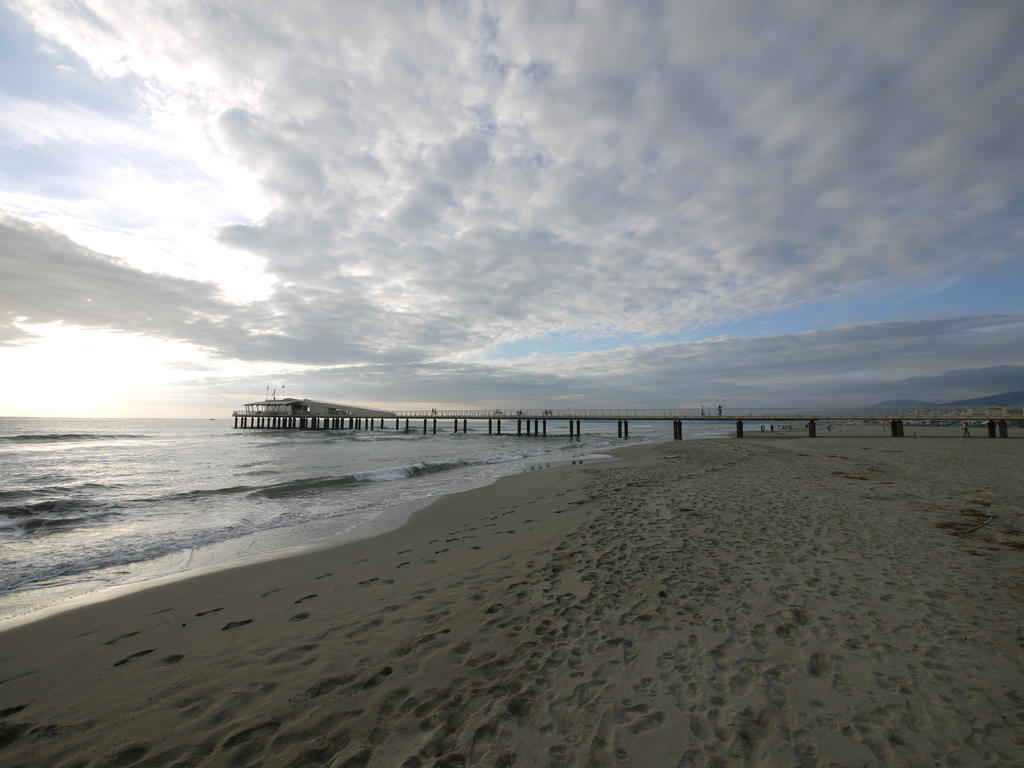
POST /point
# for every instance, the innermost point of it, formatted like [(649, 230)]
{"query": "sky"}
[(530, 204)]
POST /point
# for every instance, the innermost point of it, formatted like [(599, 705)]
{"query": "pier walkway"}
[(291, 413)]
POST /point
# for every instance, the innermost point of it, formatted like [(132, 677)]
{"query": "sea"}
[(91, 506)]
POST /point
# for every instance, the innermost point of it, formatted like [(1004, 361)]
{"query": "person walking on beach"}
[(967, 432)]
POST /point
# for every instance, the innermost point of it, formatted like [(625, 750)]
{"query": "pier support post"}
[(236, 422), (1004, 430), (739, 428), (424, 426), (463, 426), (990, 425), (407, 425), (528, 427), (499, 426), (892, 428), (545, 427), (579, 429), (899, 427), (455, 429), (625, 429), (490, 426), (619, 426), (435, 426), (519, 427), (570, 428), (812, 428)]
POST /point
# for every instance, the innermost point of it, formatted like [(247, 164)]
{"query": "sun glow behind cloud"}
[(72, 371)]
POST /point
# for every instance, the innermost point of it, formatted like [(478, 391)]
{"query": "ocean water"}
[(89, 504)]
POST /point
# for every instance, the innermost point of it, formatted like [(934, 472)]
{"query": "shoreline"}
[(269, 544), (763, 602)]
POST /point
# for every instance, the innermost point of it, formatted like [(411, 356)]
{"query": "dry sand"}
[(717, 602)]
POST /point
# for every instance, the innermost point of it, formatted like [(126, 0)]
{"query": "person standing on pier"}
[(719, 410)]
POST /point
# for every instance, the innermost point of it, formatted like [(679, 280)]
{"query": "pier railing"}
[(929, 413)]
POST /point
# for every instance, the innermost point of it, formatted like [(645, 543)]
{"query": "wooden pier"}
[(294, 413)]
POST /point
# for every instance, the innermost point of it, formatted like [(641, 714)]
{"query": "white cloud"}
[(423, 181)]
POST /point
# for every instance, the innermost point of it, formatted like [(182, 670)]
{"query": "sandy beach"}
[(761, 602)]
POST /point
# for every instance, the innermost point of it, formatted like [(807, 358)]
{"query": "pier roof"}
[(293, 406)]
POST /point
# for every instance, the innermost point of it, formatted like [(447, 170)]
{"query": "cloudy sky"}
[(525, 204)]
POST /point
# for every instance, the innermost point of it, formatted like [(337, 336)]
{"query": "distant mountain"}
[(887, 403), (1003, 398)]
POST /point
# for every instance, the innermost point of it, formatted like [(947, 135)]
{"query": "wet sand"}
[(830, 602)]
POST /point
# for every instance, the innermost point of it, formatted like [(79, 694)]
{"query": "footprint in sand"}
[(233, 624), (119, 638), (378, 678), (135, 655), (268, 594), (173, 659), (130, 755), (304, 598), (299, 617), (212, 610)]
